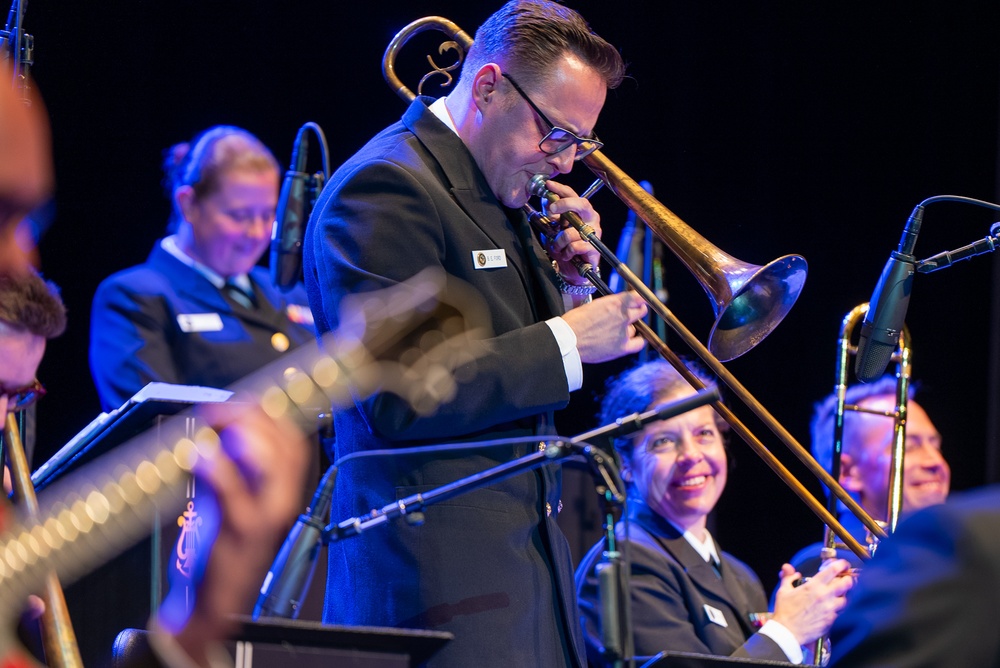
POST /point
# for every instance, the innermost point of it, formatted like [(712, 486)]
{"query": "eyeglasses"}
[(21, 397), (558, 139)]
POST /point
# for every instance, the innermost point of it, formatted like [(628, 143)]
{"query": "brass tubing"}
[(716, 271), (543, 224), (749, 300), (58, 638), (755, 406)]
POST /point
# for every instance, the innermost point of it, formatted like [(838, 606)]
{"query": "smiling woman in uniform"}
[(199, 311), (685, 593)]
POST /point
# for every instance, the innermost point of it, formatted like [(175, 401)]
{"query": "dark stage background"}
[(771, 127)]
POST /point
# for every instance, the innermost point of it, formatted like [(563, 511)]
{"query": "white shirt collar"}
[(705, 548), (170, 245), (439, 109)]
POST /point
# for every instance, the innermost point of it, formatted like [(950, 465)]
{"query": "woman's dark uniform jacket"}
[(491, 566), (164, 321), (677, 596)]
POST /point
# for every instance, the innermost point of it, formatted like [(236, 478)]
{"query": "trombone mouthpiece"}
[(536, 186)]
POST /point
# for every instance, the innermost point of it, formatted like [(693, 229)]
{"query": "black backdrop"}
[(771, 127)]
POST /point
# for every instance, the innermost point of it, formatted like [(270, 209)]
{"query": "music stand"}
[(109, 430), (694, 660)]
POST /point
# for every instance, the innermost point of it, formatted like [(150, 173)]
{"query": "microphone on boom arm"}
[(298, 195), (887, 309)]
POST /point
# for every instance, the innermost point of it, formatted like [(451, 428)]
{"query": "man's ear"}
[(850, 477), (485, 85)]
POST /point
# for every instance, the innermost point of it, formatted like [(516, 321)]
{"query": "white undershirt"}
[(563, 333)]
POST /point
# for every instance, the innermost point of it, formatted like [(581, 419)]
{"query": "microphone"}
[(887, 308), (289, 223), (287, 582)]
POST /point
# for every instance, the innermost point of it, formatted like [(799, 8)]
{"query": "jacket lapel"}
[(738, 596), (472, 193), (699, 570), (188, 283), (709, 584), (195, 288)]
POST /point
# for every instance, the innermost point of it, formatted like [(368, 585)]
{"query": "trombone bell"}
[(749, 300), (756, 300)]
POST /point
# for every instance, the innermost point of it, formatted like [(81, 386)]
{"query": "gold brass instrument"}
[(58, 638), (845, 349), (749, 300), (899, 415), (460, 41)]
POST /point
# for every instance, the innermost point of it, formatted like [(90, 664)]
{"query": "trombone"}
[(749, 300), (58, 638)]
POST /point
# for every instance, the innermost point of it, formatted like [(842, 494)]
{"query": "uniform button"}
[(280, 342), (548, 509)]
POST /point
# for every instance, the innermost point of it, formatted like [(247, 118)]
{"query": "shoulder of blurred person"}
[(931, 594)]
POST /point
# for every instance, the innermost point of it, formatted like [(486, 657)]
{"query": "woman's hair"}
[(202, 162), (641, 388)]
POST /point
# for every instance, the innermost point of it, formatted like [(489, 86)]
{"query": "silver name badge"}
[(199, 322), (715, 616), (489, 259)]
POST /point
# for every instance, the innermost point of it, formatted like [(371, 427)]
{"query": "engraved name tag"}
[(199, 322), (715, 616), (489, 259)]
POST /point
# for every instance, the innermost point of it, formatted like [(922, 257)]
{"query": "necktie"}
[(239, 295), (716, 566)]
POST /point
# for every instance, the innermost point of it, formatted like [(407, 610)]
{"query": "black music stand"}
[(693, 660), (278, 643), (135, 416), (274, 643)]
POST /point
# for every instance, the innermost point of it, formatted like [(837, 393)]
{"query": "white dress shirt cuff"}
[(572, 364), (777, 632)]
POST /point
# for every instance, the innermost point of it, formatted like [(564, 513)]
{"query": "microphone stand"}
[(602, 465), (291, 572), (22, 48), (945, 259)]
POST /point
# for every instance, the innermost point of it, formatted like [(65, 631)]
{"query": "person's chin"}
[(927, 494), (514, 198)]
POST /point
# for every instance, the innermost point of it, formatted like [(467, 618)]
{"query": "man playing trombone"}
[(866, 456), (443, 187)]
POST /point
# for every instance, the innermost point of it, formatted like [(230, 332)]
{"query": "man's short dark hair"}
[(29, 303), (528, 36)]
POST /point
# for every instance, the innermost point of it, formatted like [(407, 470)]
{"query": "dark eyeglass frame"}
[(584, 145), (20, 398)]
